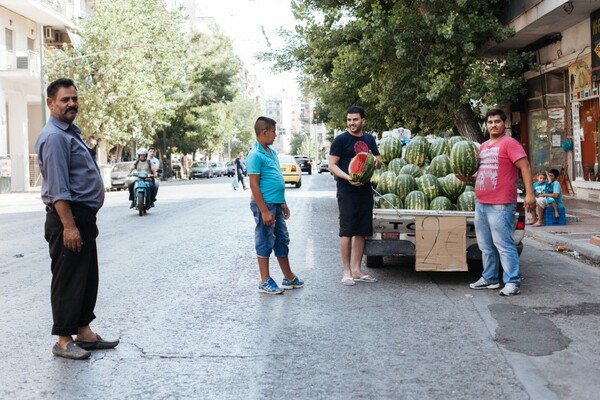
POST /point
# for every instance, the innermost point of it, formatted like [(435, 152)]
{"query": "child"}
[(551, 198), (539, 187), (269, 208)]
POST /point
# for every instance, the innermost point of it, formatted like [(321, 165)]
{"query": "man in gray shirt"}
[(73, 192)]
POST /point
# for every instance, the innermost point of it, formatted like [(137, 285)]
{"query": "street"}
[(179, 288)]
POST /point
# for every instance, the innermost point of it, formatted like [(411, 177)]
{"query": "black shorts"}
[(356, 214)]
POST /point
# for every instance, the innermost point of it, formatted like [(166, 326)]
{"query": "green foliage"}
[(207, 116), (411, 63), (129, 60)]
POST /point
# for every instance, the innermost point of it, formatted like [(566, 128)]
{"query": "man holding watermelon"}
[(354, 196), (500, 160)]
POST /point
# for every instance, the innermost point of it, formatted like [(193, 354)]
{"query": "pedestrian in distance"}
[(73, 192), (500, 159), (239, 169), (355, 200), (539, 187), (552, 197), (269, 209)]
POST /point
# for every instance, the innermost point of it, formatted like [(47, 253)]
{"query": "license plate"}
[(390, 236)]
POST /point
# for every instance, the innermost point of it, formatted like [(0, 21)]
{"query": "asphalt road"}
[(178, 287)]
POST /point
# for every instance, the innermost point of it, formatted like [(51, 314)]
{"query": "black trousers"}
[(74, 287)]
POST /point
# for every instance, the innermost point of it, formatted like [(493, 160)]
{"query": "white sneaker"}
[(510, 289), (482, 283)]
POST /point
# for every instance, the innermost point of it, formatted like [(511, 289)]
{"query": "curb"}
[(585, 249)]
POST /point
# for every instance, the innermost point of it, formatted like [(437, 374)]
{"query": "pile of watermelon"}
[(424, 177)]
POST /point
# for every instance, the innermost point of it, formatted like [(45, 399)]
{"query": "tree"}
[(201, 120), (412, 63), (129, 61)]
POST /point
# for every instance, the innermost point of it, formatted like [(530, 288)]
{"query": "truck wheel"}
[(374, 261)]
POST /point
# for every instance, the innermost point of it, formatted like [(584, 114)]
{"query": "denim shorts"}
[(274, 238)]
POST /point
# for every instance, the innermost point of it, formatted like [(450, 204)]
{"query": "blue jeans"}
[(493, 226), (274, 238)]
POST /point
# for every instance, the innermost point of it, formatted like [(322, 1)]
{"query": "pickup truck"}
[(394, 234)]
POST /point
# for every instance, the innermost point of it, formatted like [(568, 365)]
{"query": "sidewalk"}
[(583, 222)]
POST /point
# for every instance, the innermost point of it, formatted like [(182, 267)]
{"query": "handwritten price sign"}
[(440, 243)]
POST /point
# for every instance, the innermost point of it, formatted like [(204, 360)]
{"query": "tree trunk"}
[(466, 123)]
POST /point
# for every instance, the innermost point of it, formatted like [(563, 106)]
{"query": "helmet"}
[(142, 150)]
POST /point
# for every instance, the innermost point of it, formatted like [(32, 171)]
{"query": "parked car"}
[(200, 169), (304, 163), (324, 166), (291, 170), (231, 168), (119, 175), (219, 168)]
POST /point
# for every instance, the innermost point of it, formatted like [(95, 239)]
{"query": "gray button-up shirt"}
[(68, 168)]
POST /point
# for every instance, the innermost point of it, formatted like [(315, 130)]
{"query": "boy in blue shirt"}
[(269, 208), (539, 187)]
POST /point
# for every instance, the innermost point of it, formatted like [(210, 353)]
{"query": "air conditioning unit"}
[(22, 62), (48, 34)]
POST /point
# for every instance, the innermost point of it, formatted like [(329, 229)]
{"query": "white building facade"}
[(26, 27)]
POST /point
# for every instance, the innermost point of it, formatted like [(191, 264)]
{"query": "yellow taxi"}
[(290, 170)]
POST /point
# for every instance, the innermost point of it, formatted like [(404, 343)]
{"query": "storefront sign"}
[(580, 79), (576, 132), (595, 30)]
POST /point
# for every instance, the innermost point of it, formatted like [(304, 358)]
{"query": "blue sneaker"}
[(293, 284), (270, 287)]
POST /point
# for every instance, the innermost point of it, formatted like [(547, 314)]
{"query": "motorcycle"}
[(141, 191)]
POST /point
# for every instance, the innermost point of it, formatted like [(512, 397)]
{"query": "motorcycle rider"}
[(143, 164), (156, 164)]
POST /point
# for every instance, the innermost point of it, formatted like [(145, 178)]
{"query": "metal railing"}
[(20, 60)]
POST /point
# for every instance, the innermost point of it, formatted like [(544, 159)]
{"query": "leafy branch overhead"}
[(418, 64)]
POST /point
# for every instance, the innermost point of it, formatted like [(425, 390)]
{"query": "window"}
[(8, 35), (30, 44)]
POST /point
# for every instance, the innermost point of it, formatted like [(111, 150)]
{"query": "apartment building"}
[(557, 121), (26, 27)]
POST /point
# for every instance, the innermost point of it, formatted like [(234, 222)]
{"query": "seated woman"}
[(552, 197)]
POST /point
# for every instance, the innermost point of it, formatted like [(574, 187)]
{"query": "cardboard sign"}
[(440, 243)]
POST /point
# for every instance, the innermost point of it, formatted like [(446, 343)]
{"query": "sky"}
[(253, 25)]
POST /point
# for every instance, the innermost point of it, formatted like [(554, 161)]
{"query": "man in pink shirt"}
[(500, 160)]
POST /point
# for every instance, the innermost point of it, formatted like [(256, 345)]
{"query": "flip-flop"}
[(348, 281), (366, 278)]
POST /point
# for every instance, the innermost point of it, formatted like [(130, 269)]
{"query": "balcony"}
[(56, 13), (19, 64)]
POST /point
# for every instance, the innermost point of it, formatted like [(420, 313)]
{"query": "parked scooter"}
[(142, 197)]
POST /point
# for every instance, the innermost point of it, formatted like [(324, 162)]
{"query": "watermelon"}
[(455, 139), (469, 188), (416, 152), (425, 168), (389, 148), (362, 167), (464, 158), (466, 201), (375, 177), (452, 187), (396, 165), (429, 185), (440, 203), (437, 147), (376, 201), (411, 169), (405, 184), (416, 200), (387, 180), (390, 200), (440, 166)]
